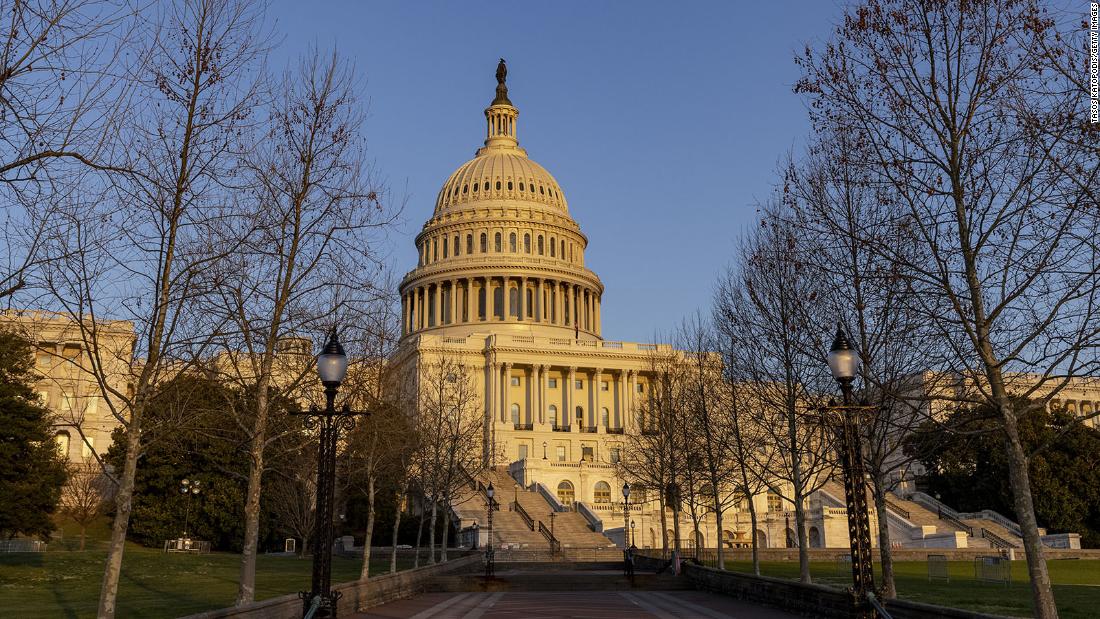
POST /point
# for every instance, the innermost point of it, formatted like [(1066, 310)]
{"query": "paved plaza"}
[(583, 605)]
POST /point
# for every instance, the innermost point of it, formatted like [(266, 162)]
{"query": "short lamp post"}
[(489, 492), (189, 489), (844, 365), (632, 534), (332, 367)]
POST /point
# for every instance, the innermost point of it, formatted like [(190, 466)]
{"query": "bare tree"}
[(85, 496), (63, 92), (768, 308), (305, 253), (980, 139), (139, 248), (292, 495)]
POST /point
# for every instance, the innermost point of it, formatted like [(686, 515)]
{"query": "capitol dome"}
[(500, 251)]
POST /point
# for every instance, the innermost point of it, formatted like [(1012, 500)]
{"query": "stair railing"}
[(555, 545), (904, 513), (996, 540), (523, 514), (989, 514), (950, 516)]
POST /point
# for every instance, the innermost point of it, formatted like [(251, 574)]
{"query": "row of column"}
[(623, 384), (458, 301)]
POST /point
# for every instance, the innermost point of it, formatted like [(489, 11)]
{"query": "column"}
[(506, 404), (521, 298), (420, 304), (493, 391), (539, 304), (596, 392), (544, 379), (632, 392), (437, 304), (567, 308), (596, 321), (530, 385), (404, 314), (471, 301), (455, 317), (507, 298), (568, 392)]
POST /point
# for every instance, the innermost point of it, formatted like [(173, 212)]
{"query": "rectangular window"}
[(603, 385), (86, 447), (775, 503), (561, 453), (515, 381), (553, 383), (641, 388), (579, 384), (614, 455), (587, 453), (523, 452)]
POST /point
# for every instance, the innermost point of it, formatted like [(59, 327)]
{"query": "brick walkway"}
[(580, 605)]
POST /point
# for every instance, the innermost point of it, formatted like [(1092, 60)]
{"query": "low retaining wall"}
[(815, 600), (898, 554), (356, 595)]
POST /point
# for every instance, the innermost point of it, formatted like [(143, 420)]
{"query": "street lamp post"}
[(189, 488), (844, 365), (489, 492), (332, 366), (626, 513), (632, 534)]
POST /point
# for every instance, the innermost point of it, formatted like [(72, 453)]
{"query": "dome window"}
[(521, 186), (527, 243), (498, 185), (484, 243), (509, 185), (541, 245), (470, 243), (512, 242), (475, 186), (496, 242), (465, 188), (486, 187), (541, 190), (553, 245)]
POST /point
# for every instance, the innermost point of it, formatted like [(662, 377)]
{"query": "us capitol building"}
[(502, 291)]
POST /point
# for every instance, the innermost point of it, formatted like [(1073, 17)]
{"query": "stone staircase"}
[(511, 530)]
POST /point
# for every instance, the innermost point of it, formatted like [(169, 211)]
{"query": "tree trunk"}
[(885, 552), (446, 532), (419, 536), (1019, 480), (755, 541), (664, 528), (364, 573), (246, 587), (83, 530), (800, 526), (718, 523), (431, 533), (393, 540), (108, 593), (676, 540)]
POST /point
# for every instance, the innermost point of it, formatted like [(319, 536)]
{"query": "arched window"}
[(553, 415), (540, 245), (566, 493), (469, 244), (498, 185), (602, 492), (605, 417), (512, 242), (496, 243), (435, 250), (526, 243), (475, 186), (484, 243), (486, 187), (515, 414), (553, 247), (465, 188), (445, 239), (62, 441), (541, 190), (509, 185), (498, 303), (563, 250), (481, 302)]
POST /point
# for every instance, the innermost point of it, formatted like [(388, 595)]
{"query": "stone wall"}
[(356, 595), (814, 600)]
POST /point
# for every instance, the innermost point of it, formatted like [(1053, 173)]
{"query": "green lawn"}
[(153, 584), (1076, 585)]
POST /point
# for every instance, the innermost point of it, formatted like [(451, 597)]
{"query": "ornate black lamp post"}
[(332, 366), (189, 489), (844, 365), (489, 492), (632, 534), (626, 513)]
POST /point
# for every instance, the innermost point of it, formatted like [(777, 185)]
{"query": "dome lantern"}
[(501, 115)]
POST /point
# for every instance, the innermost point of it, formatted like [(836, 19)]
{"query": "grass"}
[(153, 584), (1076, 585)]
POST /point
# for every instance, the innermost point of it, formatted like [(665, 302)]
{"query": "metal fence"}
[(937, 568), (22, 545), (993, 569)]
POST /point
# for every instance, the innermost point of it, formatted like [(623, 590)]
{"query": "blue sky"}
[(663, 122)]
